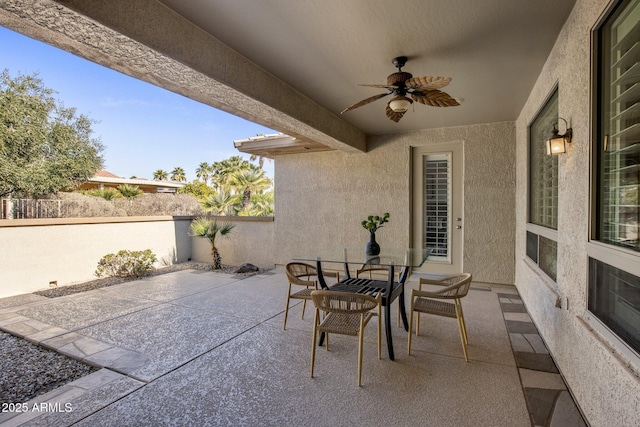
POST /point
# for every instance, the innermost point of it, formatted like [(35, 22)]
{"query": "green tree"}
[(203, 170), (249, 181), (223, 170), (198, 189), (261, 204), (44, 147), (178, 174), (260, 160), (129, 191), (222, 203), (210, 229), (160, 175)]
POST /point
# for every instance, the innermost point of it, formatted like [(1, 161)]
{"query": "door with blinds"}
[(437, 221)]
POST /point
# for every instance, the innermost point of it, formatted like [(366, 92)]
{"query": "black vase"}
[(372, 247)]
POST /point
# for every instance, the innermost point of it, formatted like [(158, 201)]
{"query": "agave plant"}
[(210, 229)]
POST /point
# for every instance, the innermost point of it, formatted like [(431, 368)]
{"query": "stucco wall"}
[(35, 252), (250, 241), (607, 390), (321, 198)]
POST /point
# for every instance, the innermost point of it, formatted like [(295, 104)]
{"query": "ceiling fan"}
[(407, 89)]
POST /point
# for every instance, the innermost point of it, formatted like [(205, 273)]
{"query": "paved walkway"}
[(200, 348)]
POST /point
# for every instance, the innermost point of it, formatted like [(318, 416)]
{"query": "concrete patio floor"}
[(201, 348)]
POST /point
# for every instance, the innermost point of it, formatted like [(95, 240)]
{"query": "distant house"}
[(106, 179)]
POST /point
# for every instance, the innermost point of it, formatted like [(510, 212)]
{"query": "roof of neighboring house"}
[(106, 174), (274, 144), (103, 176)]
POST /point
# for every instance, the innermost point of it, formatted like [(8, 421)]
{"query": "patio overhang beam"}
[(148, 41)]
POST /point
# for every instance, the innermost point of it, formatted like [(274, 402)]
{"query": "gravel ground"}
[(28, 370)]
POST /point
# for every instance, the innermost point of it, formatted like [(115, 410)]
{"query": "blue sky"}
[(143, 127)]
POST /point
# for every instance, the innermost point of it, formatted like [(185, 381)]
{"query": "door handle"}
[(458, 227)]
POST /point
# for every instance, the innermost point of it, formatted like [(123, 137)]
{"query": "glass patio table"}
[(389, 258)]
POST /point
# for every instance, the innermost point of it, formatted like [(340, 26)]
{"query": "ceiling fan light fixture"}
[(405, 89), (400, 104)]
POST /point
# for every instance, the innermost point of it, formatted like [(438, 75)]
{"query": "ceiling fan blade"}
[(435, 98), (364, 102), (394, 115), (427, 83), (390, 87)]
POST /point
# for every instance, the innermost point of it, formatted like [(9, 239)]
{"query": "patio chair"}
[(346, 313), (433, 279), (301, 274), (434, 302)]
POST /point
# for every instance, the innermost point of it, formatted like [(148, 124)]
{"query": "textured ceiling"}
[(493, 50)]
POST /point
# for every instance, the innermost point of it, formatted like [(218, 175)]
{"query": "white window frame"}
[(616, 256)]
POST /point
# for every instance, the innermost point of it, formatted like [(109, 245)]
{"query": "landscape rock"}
[(247, 268)]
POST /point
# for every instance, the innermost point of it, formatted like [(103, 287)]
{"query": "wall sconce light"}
[(400, 104), (557, 144)]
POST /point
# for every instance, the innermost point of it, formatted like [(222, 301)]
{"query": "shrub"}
[(106, 193), (129, 191), (126, 264), (160, 204), (76, 205)]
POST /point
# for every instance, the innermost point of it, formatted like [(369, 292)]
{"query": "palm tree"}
[(221, 203), (210, 229), (107, 193), (261, 204), (249, 181), (178, 174), (260, 160), (160, 175), (202, 172), (129, 191), (223, 170)]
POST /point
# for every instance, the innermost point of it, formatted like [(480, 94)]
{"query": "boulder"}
[(247, 268)]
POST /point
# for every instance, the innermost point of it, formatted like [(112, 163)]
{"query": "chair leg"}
[(410, 326), (460, 315), (464, 345), (313, 342), (464, 325), (304, 305), (286, 310), (379, 332), (418, 314), (360, 345), (463, 334)]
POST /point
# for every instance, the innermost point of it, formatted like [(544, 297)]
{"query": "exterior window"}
[(614, 297), (548, 257), (543, 191), (619, 128), (614, 290), (543, 172)]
